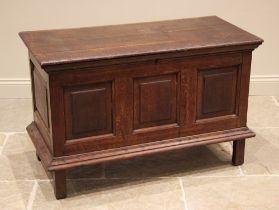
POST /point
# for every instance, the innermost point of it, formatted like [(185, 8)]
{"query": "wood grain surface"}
[(62, 46)]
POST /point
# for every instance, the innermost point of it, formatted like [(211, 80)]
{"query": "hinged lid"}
[(52, 47)]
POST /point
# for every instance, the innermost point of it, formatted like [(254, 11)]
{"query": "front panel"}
[(216, 81), (115, 106), (88, 110), (155, 101), (123, 105), (217, 91)]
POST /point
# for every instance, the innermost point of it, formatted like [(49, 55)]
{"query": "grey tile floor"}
[(192, 179)]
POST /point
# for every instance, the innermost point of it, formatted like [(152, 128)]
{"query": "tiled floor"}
[(192, 179)]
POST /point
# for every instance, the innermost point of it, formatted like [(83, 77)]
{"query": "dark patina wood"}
[(238, 152), (116, 92)]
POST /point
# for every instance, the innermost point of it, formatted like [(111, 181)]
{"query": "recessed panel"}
[(88, 110), (217, 92), (155, 101), (41, 99)]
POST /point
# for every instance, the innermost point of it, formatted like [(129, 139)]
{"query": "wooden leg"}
[(238, 152), (59, 183), (39, 159)]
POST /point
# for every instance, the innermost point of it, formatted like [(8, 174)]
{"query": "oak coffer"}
[(115, 92)]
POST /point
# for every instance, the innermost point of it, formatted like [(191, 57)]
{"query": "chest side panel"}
[(41, 108)]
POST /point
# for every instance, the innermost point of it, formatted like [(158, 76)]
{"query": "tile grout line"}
[(244, 175), (16, 98), (268, 127), (32, 196), (275, 100), (13, 132), (101, 178), (183, 193), (4, 143), (240, 171), (25, 180)]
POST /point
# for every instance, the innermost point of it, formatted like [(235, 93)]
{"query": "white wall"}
[(256, 16)]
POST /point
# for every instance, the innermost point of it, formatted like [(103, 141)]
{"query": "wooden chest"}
[(115, 92)]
